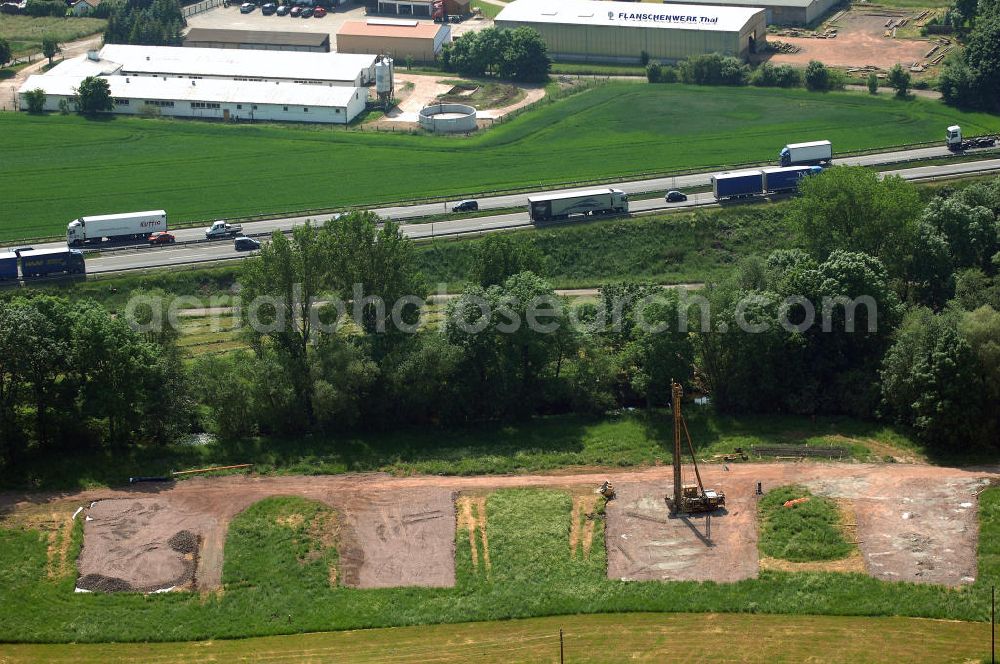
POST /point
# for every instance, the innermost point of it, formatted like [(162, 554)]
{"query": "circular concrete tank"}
[(447, 118)]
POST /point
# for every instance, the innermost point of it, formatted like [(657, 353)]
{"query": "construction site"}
[(863, 39), (686, 521)]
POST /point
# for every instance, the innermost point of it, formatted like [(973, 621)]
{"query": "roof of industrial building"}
[(759, 3), (204, 90), (629, 14), (268, 37), (249, 63), (390, 28), (83, 67)]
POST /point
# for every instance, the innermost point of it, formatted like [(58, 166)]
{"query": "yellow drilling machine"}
[(689, 498)]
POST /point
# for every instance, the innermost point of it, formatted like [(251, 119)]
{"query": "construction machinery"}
[(689, 498)]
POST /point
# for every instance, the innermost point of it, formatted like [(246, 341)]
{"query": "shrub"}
[(654, 73), (817, 76), (668, 74), (714, 69)]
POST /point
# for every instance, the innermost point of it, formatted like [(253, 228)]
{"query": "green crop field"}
[(636, 637), (56, 168)]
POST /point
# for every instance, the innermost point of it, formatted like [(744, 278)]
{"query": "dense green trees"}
[(5, 52), (517, 55), (149, 22), (35, 100), (93, 96), (50, 46), (75, 375), (972, 78)]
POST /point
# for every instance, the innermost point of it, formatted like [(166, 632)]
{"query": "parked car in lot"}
[(319, 12), (283, 10), (295, 12), (268, 9), (306, 12), (246, 244), (465, 206), (247, 7), (162, 237), (674, 196)]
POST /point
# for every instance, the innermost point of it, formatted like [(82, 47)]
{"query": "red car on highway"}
[(162, 237)]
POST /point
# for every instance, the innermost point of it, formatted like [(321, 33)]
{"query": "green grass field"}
[(541, 444), (199, 171), (25, 33), (597, 639), (803, 532), (276, 584)]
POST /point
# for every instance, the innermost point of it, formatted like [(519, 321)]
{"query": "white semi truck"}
[(115, 227), (595, 201), (813, 153)]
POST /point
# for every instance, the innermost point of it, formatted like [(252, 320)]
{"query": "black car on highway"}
[(674, 196), (465, 206), (246, 244)]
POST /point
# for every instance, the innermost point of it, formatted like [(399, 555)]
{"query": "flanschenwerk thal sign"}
[(661, 18)]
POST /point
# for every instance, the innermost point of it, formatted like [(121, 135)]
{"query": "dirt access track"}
[(914, 523)]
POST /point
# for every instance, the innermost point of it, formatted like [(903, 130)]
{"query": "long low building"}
[(350, 70), (420, 40), (212, 98), (259, 40), (597, 31)]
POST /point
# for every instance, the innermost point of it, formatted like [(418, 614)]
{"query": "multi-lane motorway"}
[(181, 254)]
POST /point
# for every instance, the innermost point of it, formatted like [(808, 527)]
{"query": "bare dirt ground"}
[(914, 522), (859, 42), (646, 543), (400, 539), (426, 89)]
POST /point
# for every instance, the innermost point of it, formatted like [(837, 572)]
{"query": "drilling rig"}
[(689, 498)]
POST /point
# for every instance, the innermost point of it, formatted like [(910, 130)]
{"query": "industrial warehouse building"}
[(212, 98), (419, 40), (596, 31), (782, 12), (258, 40), (349, 70)]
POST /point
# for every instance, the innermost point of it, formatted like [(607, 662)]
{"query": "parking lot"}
[(230, 18)]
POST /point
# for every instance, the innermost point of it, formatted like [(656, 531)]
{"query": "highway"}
[(142, 257)]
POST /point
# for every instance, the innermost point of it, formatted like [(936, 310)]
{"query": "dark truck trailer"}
[(779, 180), (740, 184), (8, 266), (51, 262)]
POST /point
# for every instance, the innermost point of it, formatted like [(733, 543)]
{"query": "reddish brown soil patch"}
[(859, 42), (400, 539), (471, 515)]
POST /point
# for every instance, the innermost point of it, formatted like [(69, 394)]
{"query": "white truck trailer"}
[(813, 153), (115, 227), (595, 201)]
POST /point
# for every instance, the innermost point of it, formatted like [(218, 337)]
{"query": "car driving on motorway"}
[(162, 237), (246, 244), (465, 206), (674, 196)]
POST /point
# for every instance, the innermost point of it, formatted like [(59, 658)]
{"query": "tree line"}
[(146, 22), (516, 55)]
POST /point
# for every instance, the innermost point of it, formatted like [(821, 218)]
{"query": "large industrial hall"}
[(596, 31)]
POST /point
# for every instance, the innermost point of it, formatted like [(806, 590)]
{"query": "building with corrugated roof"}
[(259, 40), (782, 12), (399, 39), (598, 31)]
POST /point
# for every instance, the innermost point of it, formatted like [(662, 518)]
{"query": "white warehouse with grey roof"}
[(597, 31), (225, 84)]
